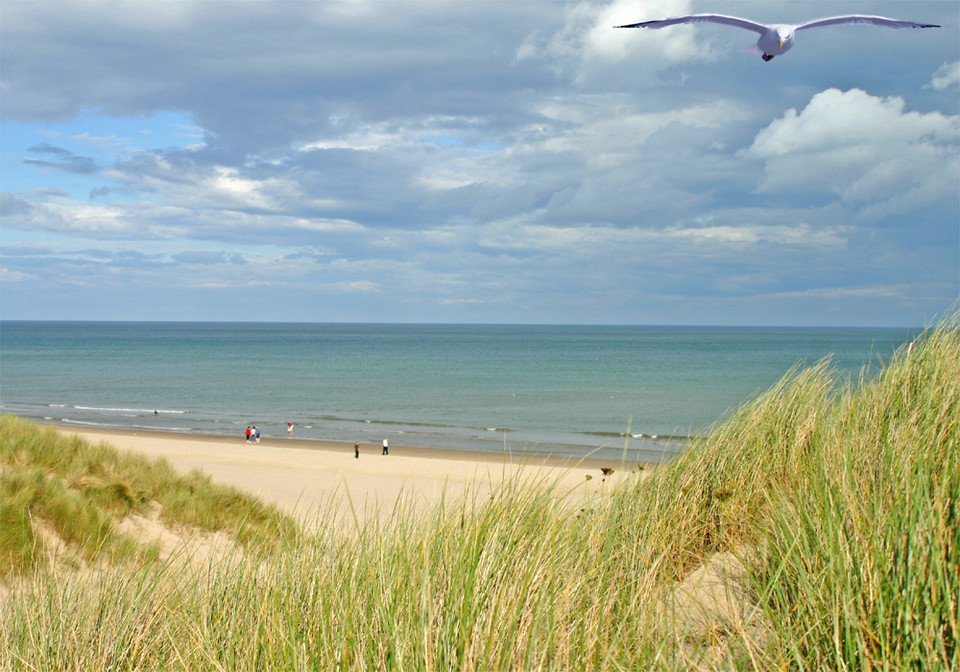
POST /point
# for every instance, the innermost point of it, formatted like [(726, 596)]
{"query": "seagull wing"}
[(742, 24), (861, 18)]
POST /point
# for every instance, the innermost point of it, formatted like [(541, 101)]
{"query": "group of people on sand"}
[(253, 436), (386, 448)]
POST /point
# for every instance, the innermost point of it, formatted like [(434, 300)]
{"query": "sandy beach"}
[(311, 478)]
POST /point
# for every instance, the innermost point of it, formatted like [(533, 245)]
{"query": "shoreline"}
[(606, 448), (312, 479), (455, 454)]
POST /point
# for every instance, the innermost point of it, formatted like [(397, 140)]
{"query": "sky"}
[(476, 161)]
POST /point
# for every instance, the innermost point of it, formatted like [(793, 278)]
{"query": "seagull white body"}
[(776, 39)]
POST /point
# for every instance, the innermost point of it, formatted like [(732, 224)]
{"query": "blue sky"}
[(476, 161)]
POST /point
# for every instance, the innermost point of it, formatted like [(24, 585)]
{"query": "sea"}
[(607, 392)]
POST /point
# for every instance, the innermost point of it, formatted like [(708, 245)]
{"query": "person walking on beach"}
[(356, 450), (249, 432), (256, 433), (386, 447)]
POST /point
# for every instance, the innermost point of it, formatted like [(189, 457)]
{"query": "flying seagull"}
[(777, 38)]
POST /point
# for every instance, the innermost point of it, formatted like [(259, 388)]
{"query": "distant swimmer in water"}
[(289, 428)]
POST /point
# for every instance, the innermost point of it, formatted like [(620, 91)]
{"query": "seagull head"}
[(776, 39), (785, 36)]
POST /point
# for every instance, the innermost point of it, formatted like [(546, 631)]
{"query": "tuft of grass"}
[(18, 540), (713, 498)]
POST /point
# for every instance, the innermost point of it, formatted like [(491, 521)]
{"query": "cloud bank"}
[(352, 160)]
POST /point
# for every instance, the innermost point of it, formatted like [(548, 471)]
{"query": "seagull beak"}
[(781, 44)]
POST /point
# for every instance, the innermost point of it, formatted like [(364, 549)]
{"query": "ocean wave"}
[(347, 421), (84, 423), (125, 427), (640, 435), (102, 409)]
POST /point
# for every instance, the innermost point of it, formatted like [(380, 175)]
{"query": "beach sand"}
[(312, 478)]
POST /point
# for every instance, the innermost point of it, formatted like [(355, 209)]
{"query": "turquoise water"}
[(568, 390)]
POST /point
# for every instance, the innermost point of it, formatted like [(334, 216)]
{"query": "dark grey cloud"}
[(27, 251), (262, 76), (11, 205), (100, 192), (50, 149), (199, 257), (67, 160)]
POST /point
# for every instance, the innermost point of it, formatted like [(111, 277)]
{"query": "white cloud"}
[(227, 187), (56, 212), (609, 130), (453, 302), (588, 33), (866, 150), (803, 234), (604, 43), (946, 76), (327, 225), (364, 286), (367, 138), (8, 275)]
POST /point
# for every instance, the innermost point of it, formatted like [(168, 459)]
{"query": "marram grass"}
[(838, 500), (866, 547), (76, 491)]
